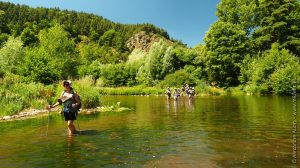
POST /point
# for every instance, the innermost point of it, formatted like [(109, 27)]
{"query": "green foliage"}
[(136, 90), (11, 55), (283, 80), (240, 12), (225, 46), (275, 71), (29, 36), (49, 45), (39, 67), (278, 22), (13, 21), (17, 95), (54, 58), (3, 38), (178, 79), (90, 51), (112, 38), (90, 96), (163, 59), (93, 70), (156, 55), (119, 74)]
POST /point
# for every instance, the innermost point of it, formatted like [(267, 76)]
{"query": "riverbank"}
[(31, 113), (18, 95)]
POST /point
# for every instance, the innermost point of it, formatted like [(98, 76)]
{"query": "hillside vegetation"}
[(253, 45)]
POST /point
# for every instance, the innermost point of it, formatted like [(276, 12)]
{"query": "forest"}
[(253, 47)]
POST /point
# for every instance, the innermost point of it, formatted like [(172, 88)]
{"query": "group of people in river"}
[(186, 89), (71, 101)]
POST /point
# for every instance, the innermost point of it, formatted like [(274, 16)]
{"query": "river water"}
[(223, 131)]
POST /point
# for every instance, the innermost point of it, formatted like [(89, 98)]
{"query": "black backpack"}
[(79, 103)]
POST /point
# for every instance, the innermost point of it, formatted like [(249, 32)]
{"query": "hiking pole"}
[(49, 109), (77, 123)]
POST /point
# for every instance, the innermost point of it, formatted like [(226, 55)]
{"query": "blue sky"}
[(185, 20)]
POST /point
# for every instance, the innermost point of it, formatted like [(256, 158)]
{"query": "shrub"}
[(283, 79), (273, 72), (178, 79), (90, 96)]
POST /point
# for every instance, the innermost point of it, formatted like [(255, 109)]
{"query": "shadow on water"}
[(89, 132)]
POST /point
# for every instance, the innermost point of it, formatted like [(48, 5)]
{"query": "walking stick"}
[(49, 109)]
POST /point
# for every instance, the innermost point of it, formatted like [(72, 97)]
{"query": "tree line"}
[(254, 44)]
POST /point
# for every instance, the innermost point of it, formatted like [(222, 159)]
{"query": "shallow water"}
[(244, 131)]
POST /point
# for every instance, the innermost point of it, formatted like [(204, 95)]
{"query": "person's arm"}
[(59, 102), (54, 105)]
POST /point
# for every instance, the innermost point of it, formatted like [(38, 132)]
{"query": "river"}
[(212, 131)]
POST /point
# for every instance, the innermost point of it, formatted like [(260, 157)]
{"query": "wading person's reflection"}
[(70, 158)]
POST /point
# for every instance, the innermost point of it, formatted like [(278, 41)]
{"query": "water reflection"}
[(199, 132), (69, 158), (190, 107), (176, 107)]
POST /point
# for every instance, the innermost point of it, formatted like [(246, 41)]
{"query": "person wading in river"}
[(168, 93), (70, 100)]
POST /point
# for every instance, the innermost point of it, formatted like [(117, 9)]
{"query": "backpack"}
[(79, 103)]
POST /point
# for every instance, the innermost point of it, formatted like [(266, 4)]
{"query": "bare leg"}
[(71, 127)]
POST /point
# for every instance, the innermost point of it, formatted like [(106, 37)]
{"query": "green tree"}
[(11, 55), (29, 36), (200, 61), (119, 74), (178, 79), (241, 12), (156, 55), (112, 38), (56, 43), (225, 46), (88, 51), (38, 66), (279, 22), (275, 70)]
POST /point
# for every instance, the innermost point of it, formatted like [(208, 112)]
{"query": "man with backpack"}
[(71, 105)]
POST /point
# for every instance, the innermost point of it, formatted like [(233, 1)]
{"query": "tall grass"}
[(17, 95), (89, 94), (136, 90)]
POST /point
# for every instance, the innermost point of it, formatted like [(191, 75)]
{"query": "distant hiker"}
[(176, 94), (182, 90), (168, 93), (191, 92), (71, 103), (186, 88)]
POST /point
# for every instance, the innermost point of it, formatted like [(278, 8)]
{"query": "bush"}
[(119, 74), (273, 72), (178, 79), (90, 96), (283, 80), (17, 95), (137, 90)]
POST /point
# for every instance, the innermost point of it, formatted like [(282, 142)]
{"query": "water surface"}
[(244, 131)]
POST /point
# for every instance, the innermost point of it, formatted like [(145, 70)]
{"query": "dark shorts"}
[(70, 115)]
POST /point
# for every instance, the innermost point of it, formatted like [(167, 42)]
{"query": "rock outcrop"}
[(142, 41)]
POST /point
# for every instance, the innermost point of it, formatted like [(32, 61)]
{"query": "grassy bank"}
[(137, 90), (17, 94)]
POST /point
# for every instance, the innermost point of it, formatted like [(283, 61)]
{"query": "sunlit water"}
[(244, 131)]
